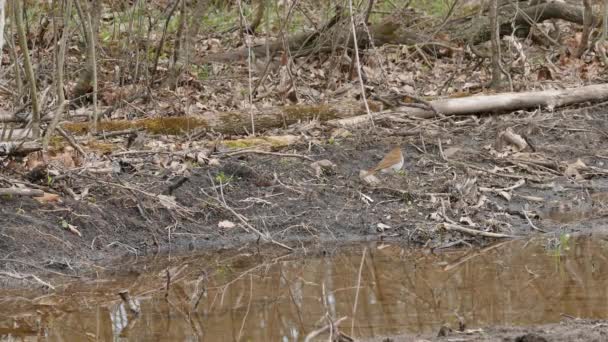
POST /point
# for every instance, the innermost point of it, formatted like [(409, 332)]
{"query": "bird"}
[(392, 162)]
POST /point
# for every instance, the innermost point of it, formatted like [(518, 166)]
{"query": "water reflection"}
[(392, 290)]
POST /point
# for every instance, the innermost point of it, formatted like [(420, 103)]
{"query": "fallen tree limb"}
[(348, 113), (18, 148), (492, 104), (351, 113), (474, 232), (21, 192)]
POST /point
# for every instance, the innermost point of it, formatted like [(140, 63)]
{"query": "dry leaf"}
[(226, 224), (73, 229), (572, 170), (322, 166), (168, 201), (48, 198), (510, 138), (368, 177)]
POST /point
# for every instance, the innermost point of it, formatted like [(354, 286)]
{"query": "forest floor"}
[(467, 181), (453, 177)]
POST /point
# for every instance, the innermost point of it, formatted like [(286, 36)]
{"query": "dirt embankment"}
[(456, 174)]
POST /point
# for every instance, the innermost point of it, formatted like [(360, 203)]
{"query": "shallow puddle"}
[(387, 289)]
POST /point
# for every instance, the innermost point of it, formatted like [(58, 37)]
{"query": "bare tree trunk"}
[(587, 23), (93, 65), (161, 43), (89, 77), (495, 41), (59, 66), (15, 58), (259, 14), (602, 40), (179, 38), (27, 64), (2, 22)]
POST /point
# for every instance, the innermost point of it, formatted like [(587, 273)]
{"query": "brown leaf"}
[(48, 198)]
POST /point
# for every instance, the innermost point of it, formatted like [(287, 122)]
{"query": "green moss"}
[(222, 178), (167, 125), (101, 146), (57, 142), (432, 7), (171, 125), (295, 113)]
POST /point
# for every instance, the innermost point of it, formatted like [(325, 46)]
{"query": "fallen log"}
[(11, 148), (237, 122), (21, 192), (347, 113), (491, 104)]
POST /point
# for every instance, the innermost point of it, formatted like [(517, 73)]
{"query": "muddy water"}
[(273, 297)]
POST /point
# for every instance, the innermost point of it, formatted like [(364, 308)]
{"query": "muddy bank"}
[(457, 173)]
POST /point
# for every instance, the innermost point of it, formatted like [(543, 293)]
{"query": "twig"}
[(531, 179), (475, 232), (111, 134), (38, 267), (291, 155), (25, 276), (71, 140), (530, 222), (265, 237)]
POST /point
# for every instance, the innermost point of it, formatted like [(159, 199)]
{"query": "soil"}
[(282, 196)]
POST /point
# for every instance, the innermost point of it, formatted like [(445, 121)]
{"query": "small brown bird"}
[(392, 162)]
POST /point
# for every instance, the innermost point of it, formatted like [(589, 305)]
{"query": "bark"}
[(258, 15), (2, 16), (59, 68), (27, 64), (353, 113), (499, 103), (18, 148), (495, 41), (587, 22), (21, 192)]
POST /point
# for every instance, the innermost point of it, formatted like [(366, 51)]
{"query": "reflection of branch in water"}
[(223, 288), (352, 327), (374, 266), (474, 255), (331, 326), (248, 307), (133, 312), (295, 303), (199, 293)]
